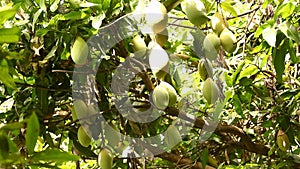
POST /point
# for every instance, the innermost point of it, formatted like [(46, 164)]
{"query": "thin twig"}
[(43, 88)]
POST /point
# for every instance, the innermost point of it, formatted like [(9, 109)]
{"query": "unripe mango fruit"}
[(210, 91), (79, 109), (79, 51), (156, 16), (217, 23), (212, 39), (211, 45), (105, 159), (139, 46), (83, 138), (283, 141), (162, 37), (171, 91), (195, 11), (172, 137), (158, 60), (205, 69), (160, 97), (228, 40)]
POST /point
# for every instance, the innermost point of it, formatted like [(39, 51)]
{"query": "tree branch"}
[(182, 161), (246, 141)]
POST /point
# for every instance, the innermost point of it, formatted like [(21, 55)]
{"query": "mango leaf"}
[(290, 31), (285, 10), (106, 4), (228, 7), (9, 35), (74, 15), (5, 77), (54, 6), (42, 5), (260, 29), (54, 155), (97, 20), (36, 17), (269, 34), (238, 105), (278, 56), (266, 3), (7, 12), (292, 52), (4, 146), (32, 132), (236, 74), (204, 157), (294, 33), (248, 71), (84, 150), (12, 126)]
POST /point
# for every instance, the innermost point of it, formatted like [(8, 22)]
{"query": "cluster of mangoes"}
[(158, 58), (81, 111), (195, 11), (156, 18), (210, 90)]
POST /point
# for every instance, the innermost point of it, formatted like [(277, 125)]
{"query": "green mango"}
[(83, 138), (160, 97), (195, 11), (105, 159), (171, 92), (210, 91)]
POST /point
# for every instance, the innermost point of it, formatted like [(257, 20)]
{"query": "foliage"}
[(260, 78)]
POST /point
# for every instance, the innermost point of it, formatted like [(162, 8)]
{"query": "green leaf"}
[(36, 16), (4, 146), (245, 81), (238, 105), (260, 29), (285, 10), (54, 6), (54, 155), (84, 150), (74, 15), (52, 52), (43, 5), (97, 20), (269, 34), (204, 157), (11, 126), (294, 34), (228, 7), (266, 3), (278, 56), (5, 77), (42, 32), (248, 71), (105, 4), (236, 74), (9, 35), (32, 132), (292, 52), (7, 12)]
